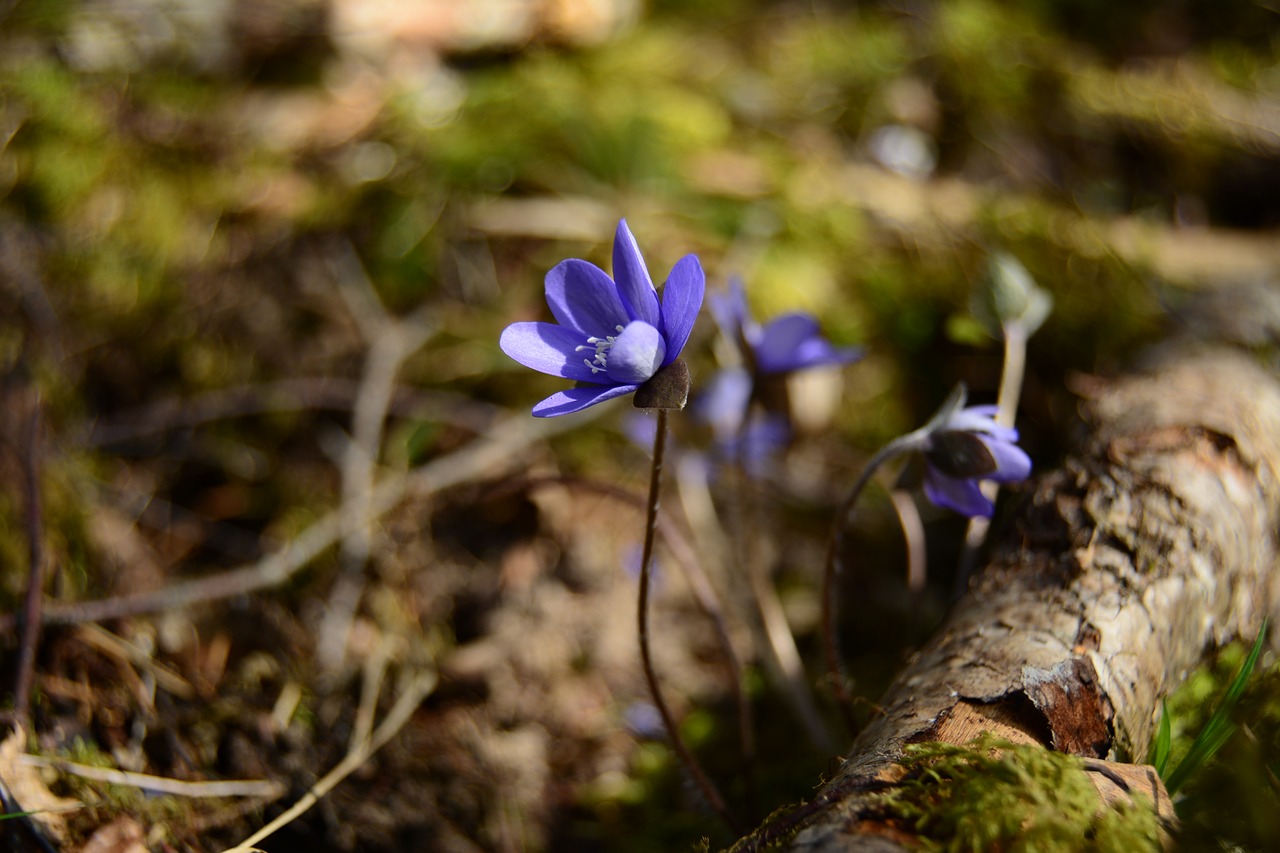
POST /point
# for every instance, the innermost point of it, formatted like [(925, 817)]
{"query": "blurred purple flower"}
[(611, 335), (782, 345), (751, 440), (632, 566), (965, 446), (723, 402), (644, 721)]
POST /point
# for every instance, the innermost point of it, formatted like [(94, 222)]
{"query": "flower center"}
[(602, 347)]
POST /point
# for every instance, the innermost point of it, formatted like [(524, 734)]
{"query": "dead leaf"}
[(122, 835), (29, 790)]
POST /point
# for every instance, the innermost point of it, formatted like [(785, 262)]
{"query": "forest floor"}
[(296, 527)]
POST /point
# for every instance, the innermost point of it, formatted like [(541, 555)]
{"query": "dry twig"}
[(493, 453), (418, 689), (160, 784), (391, 341)]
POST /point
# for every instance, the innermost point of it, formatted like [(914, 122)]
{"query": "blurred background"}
[(254, 261)]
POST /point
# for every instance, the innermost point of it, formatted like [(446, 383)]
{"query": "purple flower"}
[(965, 446), (751, 440), (784, 344), (724, 402), (611, 335), (746, 406)]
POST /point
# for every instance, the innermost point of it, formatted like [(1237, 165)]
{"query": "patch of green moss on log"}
[(995, 795)]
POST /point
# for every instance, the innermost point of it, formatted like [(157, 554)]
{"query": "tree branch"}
[(1153, 545)]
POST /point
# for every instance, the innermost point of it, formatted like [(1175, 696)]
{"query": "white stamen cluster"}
[(602, 346)]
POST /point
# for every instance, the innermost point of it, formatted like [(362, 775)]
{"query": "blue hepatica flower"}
[(611, 335), (782, 345), (771, 351), (750, 439), (964, 447)]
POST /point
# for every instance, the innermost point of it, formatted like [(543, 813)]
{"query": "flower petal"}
[(730, 311), (818, 352), (548, 348), (576, 399), (581, 296), (963, 496), (1012, 463), (793, 342), (781, 337), (641, 428), (636, 354), (681, 302), (980, 419), (723, 405), (765, 435), (635, 287)]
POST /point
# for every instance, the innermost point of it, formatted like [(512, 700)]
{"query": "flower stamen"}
[(602, 346)]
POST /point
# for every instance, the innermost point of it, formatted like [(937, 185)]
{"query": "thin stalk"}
[(1011, 375), (31, 623), (781, 653), (832, 568), (681, 549), (704, 783), (913, 540), (700, 511)]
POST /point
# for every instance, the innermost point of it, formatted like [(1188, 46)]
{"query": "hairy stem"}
[(782, 656), (831, 570), (686, 757), (700, 511), (1011, 374), (682, 551)]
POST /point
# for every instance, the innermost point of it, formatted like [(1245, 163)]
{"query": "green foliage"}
[(555, 121), (1162, 746), (1231, 799), (998, 73), (1216, 731), (996, 795)]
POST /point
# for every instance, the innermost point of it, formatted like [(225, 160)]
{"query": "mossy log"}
[(1118, 573)]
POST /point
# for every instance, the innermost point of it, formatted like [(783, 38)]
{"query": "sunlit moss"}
[(832, 64), (991, 53), (994, 795)]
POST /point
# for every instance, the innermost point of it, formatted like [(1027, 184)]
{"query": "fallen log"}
[(1153, 545)]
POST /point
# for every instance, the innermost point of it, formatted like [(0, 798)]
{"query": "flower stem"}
[(691, 765), (832, 568), (1011, 375), (699, 508), (681, 549), (782, 656)]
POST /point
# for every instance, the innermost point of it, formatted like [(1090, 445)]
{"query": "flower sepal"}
[(960, 454), (667, 389)]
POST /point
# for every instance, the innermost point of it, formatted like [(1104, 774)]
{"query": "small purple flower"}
[(611, 335), (644, 721), (724, 401), (964, 447), (750, 439), (782, 345), (746, 406)]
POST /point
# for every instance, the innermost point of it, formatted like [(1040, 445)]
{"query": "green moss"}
[(995, 795)]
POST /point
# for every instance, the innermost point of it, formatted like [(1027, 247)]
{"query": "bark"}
[(1122, 569)]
